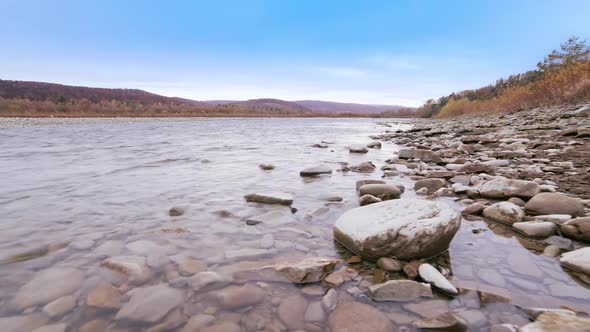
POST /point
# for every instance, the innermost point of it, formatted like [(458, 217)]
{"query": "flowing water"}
[(76, 191)]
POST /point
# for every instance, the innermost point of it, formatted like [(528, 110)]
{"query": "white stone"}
[(506, 188), (578, 260), (404, 229), (536, 228), (432, 276), (555, 218), (505, 212)]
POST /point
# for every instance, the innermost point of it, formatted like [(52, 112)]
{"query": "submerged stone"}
[(359, 317), (48, 285)]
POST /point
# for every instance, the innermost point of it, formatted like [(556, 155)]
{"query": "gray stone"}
[(150, 304), (316, 170), (358, 317), (553, 203), (382, 191), (400, 291), (578, 229), (60, 307), (270, 198), (48, 285), (504, 212), (431, 184), (234, 296), (553, 321), (272, 218)]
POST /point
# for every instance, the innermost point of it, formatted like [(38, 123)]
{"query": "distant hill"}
[(335, 107), (269, 104), (40, 99), (40, 91), (319, 106)]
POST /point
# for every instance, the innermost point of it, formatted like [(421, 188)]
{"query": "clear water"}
[(109, 182)]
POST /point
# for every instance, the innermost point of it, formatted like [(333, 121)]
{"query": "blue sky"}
[(379, 52)]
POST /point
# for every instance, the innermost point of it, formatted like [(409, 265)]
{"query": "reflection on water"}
[(76, 192)]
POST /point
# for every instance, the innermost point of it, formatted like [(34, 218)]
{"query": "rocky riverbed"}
[(467, 224)]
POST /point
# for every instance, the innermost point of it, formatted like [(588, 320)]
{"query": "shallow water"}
[(105, 183)]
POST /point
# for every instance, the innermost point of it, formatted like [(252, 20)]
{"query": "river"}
[(77, 191)]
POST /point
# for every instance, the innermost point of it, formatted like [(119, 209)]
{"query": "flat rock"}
[(369, 199), (272, 218), (316, 170), (234, 296), (270, 198), (374, 145), (48, 285), (432, 184), (578, 260), (405, 229), (432, 276), (381, 191), (150, 304), (359, 317), (308, 270), (446, 322), (536, 228), (553, 203), (291, 311), (578, 229), (504, 212), (59, 327), (196, 323), (104, 297), (561, 242), (400, 291), (135, 268), (25, 323), (341, 276), (366, 167), (357, 148), (60, 307), (209, 279), (361, 183), (554, 321), (222, 327), (424, 155), (506, 188)]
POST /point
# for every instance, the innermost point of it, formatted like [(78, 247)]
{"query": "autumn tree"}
[(572, 51)]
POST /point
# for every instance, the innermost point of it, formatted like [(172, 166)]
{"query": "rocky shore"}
[(466, 227)]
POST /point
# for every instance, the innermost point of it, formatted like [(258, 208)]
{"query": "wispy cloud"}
[(392, 62), (339, 72)]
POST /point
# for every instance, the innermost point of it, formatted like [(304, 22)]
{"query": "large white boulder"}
[(405, 229)]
